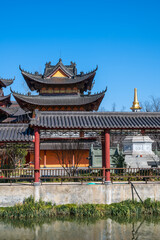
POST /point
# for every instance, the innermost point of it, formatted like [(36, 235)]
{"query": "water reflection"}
[(104, 229), (136, 230)]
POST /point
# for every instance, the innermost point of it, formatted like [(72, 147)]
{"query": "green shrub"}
[(32, 209)]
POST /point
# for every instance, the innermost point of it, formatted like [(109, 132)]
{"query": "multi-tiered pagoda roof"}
[(10, 111), (5, 100), (58, 77), (60, 88)]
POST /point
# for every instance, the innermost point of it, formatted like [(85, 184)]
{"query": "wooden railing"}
[(94, 174), (17, 174), (79, 174)]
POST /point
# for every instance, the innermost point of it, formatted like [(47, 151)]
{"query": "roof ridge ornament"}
[(48, 64), (106, 89), (81, 73), (20, 68)]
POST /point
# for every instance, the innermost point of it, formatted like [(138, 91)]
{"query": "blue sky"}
[(121, 37)]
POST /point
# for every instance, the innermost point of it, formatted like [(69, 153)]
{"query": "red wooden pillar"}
[(36, 155), (107, 154), (143, 132), (103, 153), (81, 134), (45, 158), (73, 160)]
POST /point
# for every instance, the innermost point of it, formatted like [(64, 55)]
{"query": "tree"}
[(123, 109), (118, 160), (13, 155), (151, 106), (102, 109), (70, 155), (114, 107)]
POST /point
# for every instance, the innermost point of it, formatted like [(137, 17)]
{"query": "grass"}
[(31, 209)]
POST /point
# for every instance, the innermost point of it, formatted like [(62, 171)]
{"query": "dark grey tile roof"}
[(3, 98), (20, 112), (64, 100), (14, 114), (96, 120), (70, 145), (36, 81), (15, 133), (5, 82), (58, 80), (9, 110)]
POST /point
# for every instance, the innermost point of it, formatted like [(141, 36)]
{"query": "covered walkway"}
[(103, 122)]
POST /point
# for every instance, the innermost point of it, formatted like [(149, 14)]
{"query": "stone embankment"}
[(78, 194)]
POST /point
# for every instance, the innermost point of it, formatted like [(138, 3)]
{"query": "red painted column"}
[(73, 160), (103, 153), (36, 155), (45, 158), (107, 154), (143, 132)]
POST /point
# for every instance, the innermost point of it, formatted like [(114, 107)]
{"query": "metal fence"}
[(87, 174)]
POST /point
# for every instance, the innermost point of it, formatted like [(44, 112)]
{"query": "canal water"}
[(72, 229)]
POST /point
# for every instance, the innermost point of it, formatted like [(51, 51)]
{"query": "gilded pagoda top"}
[(135, 107)]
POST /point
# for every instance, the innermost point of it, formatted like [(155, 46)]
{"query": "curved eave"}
[(44, 101), (33, 80), (6, 82), (29, 78), (7, 110), (5, 98), (4, 111)]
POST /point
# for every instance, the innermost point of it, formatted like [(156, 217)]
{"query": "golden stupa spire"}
[(135, 107)]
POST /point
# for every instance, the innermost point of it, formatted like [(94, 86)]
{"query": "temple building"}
[(61, 123), (5, 101), (59, 88), (10, 111)]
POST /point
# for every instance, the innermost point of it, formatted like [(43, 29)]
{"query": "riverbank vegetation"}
[(32, 209)]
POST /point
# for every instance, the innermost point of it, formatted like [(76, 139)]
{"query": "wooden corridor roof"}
[(20, 132), (15, 133), (96, 120)]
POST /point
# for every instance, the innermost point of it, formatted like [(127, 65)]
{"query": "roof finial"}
[(20, 68), (135, 107)]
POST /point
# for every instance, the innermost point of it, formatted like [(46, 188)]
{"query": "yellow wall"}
[(52, 159), (59, 73)]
